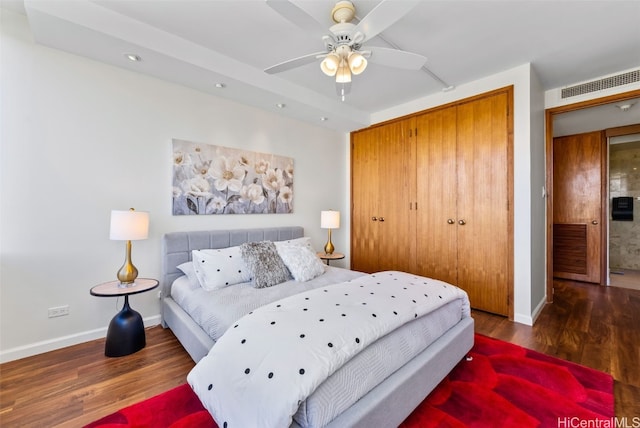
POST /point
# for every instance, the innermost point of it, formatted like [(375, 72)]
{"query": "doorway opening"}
[(624, 209), (589, 106)]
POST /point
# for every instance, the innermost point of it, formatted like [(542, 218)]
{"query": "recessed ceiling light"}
[(324, 119), (625, 107), (220, 85), (281, 105), (133, 57)]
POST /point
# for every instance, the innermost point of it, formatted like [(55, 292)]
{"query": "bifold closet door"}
[(382, 185), (365, 182), (437, 190), (483, 202), (396, 210)]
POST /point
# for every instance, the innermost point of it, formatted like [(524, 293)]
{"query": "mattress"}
[(374, 364), (216, 311)]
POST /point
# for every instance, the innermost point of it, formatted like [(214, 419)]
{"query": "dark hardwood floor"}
[(73, 386), (598, 327)]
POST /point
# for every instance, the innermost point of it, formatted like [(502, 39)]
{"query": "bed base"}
[(389, 403), (193, 339)]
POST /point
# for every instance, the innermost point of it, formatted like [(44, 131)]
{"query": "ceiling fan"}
[(344, 53)]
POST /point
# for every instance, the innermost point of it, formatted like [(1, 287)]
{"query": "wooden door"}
[(578, 174), (483, 163), (436, 195), (365, 182), (382, 187), (396, 216)]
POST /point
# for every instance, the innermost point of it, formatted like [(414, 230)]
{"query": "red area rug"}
[(504, 385)]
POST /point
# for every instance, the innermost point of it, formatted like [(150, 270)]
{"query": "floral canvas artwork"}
[(210, 179)]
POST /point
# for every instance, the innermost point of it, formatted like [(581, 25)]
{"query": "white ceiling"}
[(198, 43)]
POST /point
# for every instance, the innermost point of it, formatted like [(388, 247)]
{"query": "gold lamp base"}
[(128, 272), (328, 248)]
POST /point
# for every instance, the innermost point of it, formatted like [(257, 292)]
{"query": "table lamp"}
[(128, 226), (329, 220)]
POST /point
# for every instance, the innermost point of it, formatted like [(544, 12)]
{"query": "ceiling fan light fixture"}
[(343, 56), (330, 64), (343, 75), (357, 63)]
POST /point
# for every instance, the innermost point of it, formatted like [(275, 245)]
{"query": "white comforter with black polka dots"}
[(272, 359)]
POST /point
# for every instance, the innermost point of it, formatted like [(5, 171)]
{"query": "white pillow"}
[(220, 268), (301, 261), (188, 269), (304, 241)]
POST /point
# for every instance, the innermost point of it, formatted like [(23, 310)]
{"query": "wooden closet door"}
[(578, 176), (382, 187), (396, 217), (365, 184), (437, 248), (483, 202)]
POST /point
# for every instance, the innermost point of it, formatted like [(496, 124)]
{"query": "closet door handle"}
[(451, 221), (374, 218), (594, 222), (462, 222), (381, 218)]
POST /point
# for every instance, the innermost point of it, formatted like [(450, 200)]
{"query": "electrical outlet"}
[(59, 311)]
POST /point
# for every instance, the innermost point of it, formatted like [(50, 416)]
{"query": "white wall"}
[(80, 138), (523, 145), (538, 199)]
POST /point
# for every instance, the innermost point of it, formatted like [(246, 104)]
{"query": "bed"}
[(376, 403)]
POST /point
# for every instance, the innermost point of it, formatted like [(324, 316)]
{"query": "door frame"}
[(549, 115)]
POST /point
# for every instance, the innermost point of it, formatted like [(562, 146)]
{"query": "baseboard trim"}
[(531, 319), (523, 319), (538, 309), (62, 342)]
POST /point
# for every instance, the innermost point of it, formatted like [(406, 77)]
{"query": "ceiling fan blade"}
[(295, 62), (385, 14), (395, 58), (297, 16)]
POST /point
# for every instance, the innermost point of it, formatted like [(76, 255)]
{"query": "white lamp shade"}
[(357, 63), (129, 225), (329, 219), (329, 64), (343, 75)]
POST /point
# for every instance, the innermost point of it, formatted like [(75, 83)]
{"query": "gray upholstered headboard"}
[(177, 246)]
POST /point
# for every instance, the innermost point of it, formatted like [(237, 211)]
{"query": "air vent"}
[(599, 85)]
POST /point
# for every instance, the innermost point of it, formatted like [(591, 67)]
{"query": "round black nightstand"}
[(126, 330)]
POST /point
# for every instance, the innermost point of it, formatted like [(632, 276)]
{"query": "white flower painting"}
[(210, 179)]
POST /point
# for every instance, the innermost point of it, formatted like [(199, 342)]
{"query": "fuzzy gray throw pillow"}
[(264, 263)]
